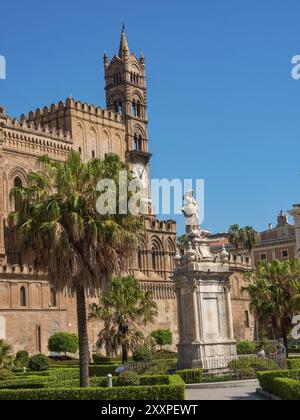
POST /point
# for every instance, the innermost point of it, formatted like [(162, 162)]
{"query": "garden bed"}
[(51, 388)]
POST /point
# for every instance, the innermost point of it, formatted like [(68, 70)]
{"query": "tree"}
[(126, 308), (162, 337), (63, 343), (246, 237), (275, 293), (249, 238), (66, 238), (5, 353), (235, 237)]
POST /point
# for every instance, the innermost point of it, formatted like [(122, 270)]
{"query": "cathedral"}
[(30, 309)]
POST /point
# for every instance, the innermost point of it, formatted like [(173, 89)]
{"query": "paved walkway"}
[(247, 393)]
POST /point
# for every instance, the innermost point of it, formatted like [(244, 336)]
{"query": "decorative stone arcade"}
[(203, 294)]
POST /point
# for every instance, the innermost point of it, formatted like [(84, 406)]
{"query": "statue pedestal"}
[(205, 316), (203, 298)]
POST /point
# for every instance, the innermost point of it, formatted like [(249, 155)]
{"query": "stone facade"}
[(276, 243), (30, 311)]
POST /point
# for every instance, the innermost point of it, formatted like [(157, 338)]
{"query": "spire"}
[(124, 49)]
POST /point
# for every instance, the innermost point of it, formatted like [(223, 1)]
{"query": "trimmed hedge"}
[(102, 382), (39, 363), (293, 364), (287, 389), (173, 391), (191, 376), (34, 383), (266, 379), (44, 382)]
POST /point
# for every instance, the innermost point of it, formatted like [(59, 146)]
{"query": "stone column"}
[(196, 316), (229, 313), (295, 212)]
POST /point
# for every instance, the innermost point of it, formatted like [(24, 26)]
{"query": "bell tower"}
[(126, 93)]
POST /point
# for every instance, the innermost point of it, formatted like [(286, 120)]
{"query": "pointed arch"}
[(157, 254), (23, 297), (105, 144), (171, 253), (92, 142), (80, 139)]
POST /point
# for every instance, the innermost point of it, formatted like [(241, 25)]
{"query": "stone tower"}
[(126, 94)]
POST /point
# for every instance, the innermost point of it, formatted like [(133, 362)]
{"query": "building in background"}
[(276, 243), (31, 310)]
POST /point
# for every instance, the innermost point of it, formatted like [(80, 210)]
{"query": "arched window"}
[(118, 107), (154, 259), (53, 298), (135, 142), (23, 302), (18, 184), (134, 109), (140, 259), (138, 109), (80, 150), (140, 143), (93, 154)]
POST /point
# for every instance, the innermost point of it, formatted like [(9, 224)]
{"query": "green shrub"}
[(70, 373), (293, 363), (39, 363), (128, 379), (102, 382), (158, 367), (63, 343), (142, 354), (162, 337), (5, 374), (63, 363), (26, 383), (29, 374), (247, 367), (287, 389), (191, 376), (173, 391), (266, 379), (22, 358), (246, 347), (283, 388)]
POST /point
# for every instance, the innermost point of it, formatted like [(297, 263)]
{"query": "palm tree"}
[(66, 238), (235, 237), (127, 309), (5, 353), (275, 293), (249, 238)]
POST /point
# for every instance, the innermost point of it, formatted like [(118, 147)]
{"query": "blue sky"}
[(222, 103)]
